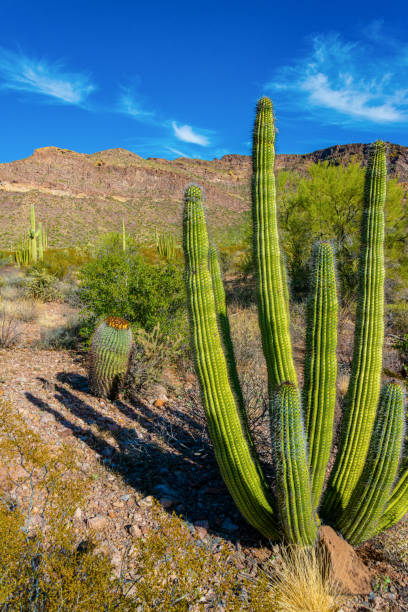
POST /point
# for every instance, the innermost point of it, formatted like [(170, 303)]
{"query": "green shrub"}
[(124, 284), (62, 262), (41, 285)]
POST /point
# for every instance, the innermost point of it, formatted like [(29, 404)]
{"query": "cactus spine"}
[(364, 389), (320, 369), (109, 356), (239, 468), (359, 499)]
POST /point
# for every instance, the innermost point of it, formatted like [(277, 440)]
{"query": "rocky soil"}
[(155, 447)]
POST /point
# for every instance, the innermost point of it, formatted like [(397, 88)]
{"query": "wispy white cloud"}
[(342, 77), (22, 73), (187, 134), (129, 105), (177, 152)]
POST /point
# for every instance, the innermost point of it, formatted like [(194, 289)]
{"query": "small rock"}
[(201, 532), (350, 573), (77, 514), (202, 523), (135, 531), (125, 498), (159, 403), (146, 502), (97, 522)]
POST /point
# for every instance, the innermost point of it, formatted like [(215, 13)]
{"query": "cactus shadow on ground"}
[(166, 455)]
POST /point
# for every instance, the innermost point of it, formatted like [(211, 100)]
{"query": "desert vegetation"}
[(178, 418)]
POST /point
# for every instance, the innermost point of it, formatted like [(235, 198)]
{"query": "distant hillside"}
[(79, 195)]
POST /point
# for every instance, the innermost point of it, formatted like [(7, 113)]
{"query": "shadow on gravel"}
[(165, 454)]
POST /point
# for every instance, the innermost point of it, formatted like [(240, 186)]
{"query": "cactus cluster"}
[(365, 492), (109, 355), (32, 246), (166, 245)]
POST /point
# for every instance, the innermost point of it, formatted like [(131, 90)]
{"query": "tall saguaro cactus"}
[(361, 498), (33, 235)]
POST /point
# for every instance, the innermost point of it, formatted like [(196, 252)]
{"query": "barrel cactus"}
[(109, 356), (366, 490)]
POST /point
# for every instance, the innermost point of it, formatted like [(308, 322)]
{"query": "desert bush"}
[(402, 346), (9, 330), (64, 262), (25, 310), (42, 286), (66, 336), (124, 284), (397, 318), (151, 352)]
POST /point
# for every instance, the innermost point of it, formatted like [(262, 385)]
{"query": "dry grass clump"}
[(9, 330), (302, 583), (25, 310), (66, 336)]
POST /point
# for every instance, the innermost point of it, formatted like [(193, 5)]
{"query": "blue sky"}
[(165, 79)]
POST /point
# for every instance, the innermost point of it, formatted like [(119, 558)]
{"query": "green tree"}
[(326, 204)]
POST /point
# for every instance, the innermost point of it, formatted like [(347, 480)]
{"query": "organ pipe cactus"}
[(362, 497), (109, 356), (320, 365)]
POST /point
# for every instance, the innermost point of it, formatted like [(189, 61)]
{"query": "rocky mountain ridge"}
[(79, 195)]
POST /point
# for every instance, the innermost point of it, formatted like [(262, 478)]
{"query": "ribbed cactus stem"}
[(40, 242), (109, 356), (364, 511), (291, 467), (239, 468), (320, 371), (33, 235), (364, 389), (224, 325), (397, 504), (272, 304)]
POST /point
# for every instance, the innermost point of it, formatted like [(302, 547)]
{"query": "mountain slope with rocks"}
[(81, 195)]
